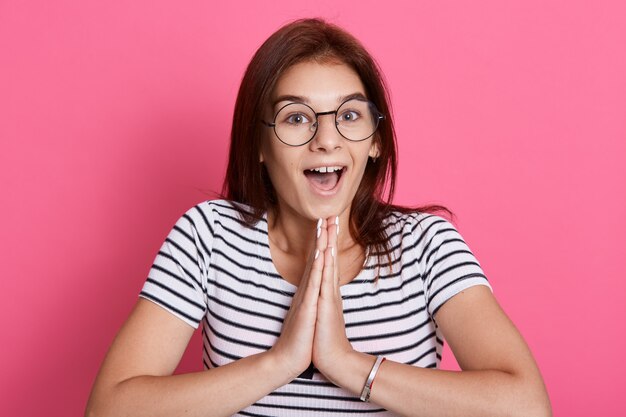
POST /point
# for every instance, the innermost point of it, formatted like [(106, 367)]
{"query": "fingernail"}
[(337, 229), (317, 253), (319, 232), (319, 223), (332, 251), (337, 220)]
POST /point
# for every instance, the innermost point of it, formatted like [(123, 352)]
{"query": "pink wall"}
[(114, 119)]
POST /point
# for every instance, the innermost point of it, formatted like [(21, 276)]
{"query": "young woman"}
[(309, 285)]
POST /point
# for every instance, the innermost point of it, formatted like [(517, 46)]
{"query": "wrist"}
[(330, 364), (277, 364), (349, 371)]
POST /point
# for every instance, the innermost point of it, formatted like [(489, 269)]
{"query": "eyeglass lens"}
[(296, 123)]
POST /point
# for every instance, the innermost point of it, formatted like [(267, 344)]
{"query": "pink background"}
[(114, 119)]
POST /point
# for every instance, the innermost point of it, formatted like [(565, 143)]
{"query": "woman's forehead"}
[(314, 83)]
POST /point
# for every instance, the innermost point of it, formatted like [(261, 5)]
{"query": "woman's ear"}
[(374, 150)]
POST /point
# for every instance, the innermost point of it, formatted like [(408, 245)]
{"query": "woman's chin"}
[(325, 211)]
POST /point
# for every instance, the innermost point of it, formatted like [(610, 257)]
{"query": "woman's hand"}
[(330, 344), (294, 347), (314, 328)]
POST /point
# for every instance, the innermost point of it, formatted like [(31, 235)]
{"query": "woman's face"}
[(293, 170)]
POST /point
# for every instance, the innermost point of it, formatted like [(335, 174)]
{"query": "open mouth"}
[(325, 178)]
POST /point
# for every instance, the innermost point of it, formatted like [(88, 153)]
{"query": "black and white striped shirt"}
[(213, 269)]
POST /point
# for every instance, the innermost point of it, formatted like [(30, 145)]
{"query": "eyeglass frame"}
[(378, 117)]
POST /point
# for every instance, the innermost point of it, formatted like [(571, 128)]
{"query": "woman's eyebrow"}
[(359, 96), (289, 97), (305, 100)]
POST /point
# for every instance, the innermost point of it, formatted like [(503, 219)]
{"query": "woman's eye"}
[(349, 116), (297, 119)]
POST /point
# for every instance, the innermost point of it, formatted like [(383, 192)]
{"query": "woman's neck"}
[(295, 235), (292, 239)]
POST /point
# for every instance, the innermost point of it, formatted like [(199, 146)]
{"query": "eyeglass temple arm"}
[(268, 124)]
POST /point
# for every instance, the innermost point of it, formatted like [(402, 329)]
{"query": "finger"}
[(320, 244), (318, 247), (333, 240), (327, 289), (314, 279), (322, 234), (333, 230)]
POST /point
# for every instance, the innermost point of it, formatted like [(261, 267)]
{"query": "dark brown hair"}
[(247, 180)]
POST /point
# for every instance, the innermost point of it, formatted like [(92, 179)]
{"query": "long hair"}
[(247, 181)]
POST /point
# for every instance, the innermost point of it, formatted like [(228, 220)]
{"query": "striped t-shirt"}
[(214, 270)]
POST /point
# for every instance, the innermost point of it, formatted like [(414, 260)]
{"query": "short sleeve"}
[(448, 264), (177, 278)]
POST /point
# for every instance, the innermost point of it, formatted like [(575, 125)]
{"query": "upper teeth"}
[(326, 169)]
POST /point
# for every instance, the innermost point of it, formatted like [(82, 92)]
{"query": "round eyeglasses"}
[(295, 124)]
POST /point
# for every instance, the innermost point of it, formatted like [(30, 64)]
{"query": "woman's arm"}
[(135, 378), (499, 377)]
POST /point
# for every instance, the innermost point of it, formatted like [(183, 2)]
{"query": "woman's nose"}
[(327, 136)]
